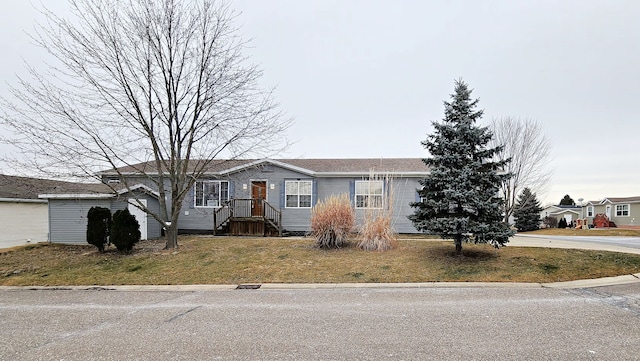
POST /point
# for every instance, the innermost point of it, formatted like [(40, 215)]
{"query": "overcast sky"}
[(366, 78)]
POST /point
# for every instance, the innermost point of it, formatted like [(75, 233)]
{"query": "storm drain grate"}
[(248, 287)]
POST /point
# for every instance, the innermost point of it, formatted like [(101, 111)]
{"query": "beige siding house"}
[(622, 211)]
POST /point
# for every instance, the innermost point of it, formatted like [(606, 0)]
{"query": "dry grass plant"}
[(332, 221), (376, 232)]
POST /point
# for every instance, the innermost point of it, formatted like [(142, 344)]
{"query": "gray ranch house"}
[(253, 196)]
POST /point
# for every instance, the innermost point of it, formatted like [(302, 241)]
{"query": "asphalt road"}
[(628, 242), (457, 323)]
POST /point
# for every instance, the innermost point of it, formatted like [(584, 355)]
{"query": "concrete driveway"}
[(608, 243)]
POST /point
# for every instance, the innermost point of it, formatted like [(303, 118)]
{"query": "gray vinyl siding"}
[(298, 219), (68, 219), (404, 193), (201, 218)]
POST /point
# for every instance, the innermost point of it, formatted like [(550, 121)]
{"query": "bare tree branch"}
[(530, 153), (137, 81)]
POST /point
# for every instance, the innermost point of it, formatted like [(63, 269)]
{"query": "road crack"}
[(627, 303), (182, 314)]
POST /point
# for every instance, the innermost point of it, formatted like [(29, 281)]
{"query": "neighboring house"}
[(24, 216), (569, 213), (264, 196), (621, 211)]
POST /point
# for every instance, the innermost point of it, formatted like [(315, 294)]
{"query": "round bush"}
[(98, 225), (125, 231)]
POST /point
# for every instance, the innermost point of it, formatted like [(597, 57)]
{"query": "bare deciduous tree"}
[(530, 152), (159, 83)]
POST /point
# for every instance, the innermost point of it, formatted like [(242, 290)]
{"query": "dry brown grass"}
[(233, 260), (376, 232), (587, 232)]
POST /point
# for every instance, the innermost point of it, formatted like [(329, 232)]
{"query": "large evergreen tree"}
[(461, 193), (527, 211)]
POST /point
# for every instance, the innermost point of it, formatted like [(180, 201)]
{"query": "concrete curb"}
[(598, 282)]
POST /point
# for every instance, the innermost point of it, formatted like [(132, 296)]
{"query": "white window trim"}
[(618, 213), (298, 181), (356, 194), (589, 211), (195, 192)]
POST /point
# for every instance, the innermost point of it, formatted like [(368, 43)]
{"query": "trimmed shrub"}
[(98, 225), (125, 231), (562, 223), (332, 221)]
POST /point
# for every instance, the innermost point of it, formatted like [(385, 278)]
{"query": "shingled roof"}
[(353, 165), (621, 199), (14, 187)]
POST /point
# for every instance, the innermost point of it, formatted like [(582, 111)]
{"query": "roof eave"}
[(77, 196), (22, 200)]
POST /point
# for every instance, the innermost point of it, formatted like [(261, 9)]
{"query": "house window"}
[(211, 193), (368, 194), (590, 211), (298, 193), (622, 210)]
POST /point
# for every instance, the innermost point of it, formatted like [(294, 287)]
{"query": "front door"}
[(259, 194), (608, 212)]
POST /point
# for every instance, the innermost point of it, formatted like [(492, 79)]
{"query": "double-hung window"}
[(589, 211), (622, 210), (369, 194), (298, 193), (211, 193)]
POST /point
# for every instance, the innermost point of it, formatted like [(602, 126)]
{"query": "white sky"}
[(366, 78)]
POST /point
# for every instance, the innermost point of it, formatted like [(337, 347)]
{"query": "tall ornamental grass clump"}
[(332, 220), (376, 232)]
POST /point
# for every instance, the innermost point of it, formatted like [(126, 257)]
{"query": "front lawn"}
[(235, 260)]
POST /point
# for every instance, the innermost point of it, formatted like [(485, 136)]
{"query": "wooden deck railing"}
[(247, 208)]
